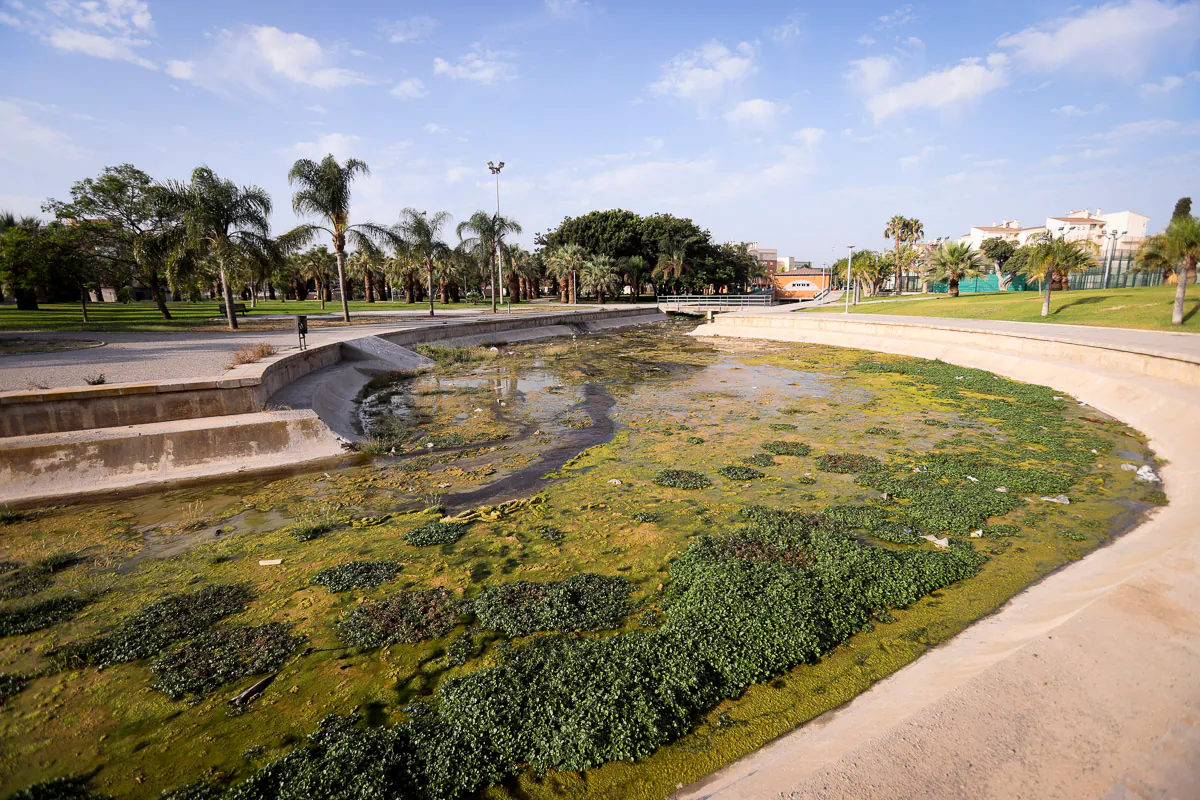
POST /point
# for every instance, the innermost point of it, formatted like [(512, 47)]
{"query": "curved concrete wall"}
[(1084, 685)]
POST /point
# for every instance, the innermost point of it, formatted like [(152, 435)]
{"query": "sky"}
[(803, 127)]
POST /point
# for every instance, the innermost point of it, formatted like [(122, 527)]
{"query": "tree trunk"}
[(270, 291), (26, 299), (444, 291), (227, 293), (429, 267), (83, 295), (1181, 293), (157, 296), (573, 288), (514, 288), (341, 264), (1046, 298), (953, 289), (492, 276)]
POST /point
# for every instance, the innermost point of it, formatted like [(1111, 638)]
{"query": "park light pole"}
[(495, 168), (849, 262), (1112, 251)]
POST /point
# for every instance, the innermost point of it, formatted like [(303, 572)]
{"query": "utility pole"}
[(849, 263), (495, 168)]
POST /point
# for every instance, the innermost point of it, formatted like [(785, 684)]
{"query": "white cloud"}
[(565, 8), (789, 30), (990, 163), (1054, 161), (898, 17), (1168, 84), (1116, 38), (114, 48), (866, 40), (1091, 153), (317, 109), (795, 160), (480, 65), (459, 174), (409, 89), (413, 29), (9, 19), (871, 74), (1076, 111), (705, 73), (108, 29), (910, 46), (254, 56), (433, 127), (26, 139), (968, 81), (757, 113), (341, 146), (1130, 131), (119, 16), (908, 162)]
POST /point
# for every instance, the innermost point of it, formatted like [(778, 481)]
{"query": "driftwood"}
[(244, 697)]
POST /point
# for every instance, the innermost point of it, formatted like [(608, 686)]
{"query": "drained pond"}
[(580, 568)]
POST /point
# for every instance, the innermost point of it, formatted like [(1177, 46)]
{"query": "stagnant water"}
[(552, 454)]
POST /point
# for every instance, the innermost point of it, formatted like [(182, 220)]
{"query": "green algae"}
[(608, 518)]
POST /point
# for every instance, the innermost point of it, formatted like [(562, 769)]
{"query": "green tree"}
[(999, 252), (21, 265), (1176, 249), (636, 269), (486, 232), (565, 263), (954, 262), (903, 231), (324, 193), (1051, 257), (224, 223), (422, 236), (131, 226), (599, 276), (1183, 208)]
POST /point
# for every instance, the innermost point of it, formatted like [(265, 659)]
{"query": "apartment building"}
[(1125, 230)]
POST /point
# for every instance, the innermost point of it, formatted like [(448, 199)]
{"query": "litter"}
[(1147, 474), (614, 481), (270, 562), (977, 534), (942, 543), (972, 479), (1058, 498)]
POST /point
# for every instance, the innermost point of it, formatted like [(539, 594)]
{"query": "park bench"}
[(238, 308)]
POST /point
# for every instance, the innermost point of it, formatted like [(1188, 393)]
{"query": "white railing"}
[(716, 302), (821, 294)]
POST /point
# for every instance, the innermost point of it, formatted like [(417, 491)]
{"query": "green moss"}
[(781, 448), (759, 460), (681, 479), (735, 472), (38, 616), (848, 462)]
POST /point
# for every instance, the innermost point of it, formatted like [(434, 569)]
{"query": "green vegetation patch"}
[(73, 788), (682, 479), (879, 430), (35, 617), (581, 602), (782, 426), (735, 472), (848, 462), (436, 532), (404, 617), (356, 575), (157, 626), (759, 460), (695, 440), (222, 655), (11, 685), (20, 581), (447, 356), (781, 448), (307, 531)]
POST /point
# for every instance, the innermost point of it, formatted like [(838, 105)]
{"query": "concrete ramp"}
[(390, 355)]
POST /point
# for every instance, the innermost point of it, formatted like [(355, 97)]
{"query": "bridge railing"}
[(721, 302)]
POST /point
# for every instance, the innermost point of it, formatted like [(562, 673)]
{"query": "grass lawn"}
[(1148, 308)]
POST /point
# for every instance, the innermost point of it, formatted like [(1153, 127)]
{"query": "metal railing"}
[(716, 302)]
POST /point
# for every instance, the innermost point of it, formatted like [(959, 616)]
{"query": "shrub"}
[(75, 788), (550, 533), (9, 517), (222, 655), (787, 448), (448, 356), (759, 460), (848, 462), (156, 626), (356, 575), (98, 379), (935, 423), (405, 617), (695, 440), (461, 650), (682, 479), (11, 685), (581, 602), (38, 616), (385, 435), (881, 431), (782, 426), (739, 473), (436, 533), (249, 353), (804, 480), (645, 516)]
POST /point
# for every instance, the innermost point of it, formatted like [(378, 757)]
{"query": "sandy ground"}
[(1086, 685)]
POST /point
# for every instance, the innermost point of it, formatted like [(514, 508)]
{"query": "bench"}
[(238, 308)]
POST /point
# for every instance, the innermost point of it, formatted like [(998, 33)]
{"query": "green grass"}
[(145, 317), (1146, 308)]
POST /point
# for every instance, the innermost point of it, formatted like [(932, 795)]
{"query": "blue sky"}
[(800, 126)]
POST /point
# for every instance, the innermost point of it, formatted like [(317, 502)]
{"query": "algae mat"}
[(520, 595)]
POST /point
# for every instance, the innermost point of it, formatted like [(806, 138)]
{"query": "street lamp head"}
[(495, 168)]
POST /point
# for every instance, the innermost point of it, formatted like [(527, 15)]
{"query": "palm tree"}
[(325, 193), (222, 221), (599, 276), (635, 267), (952, 262), (1052, 256), (672, 258), (565, 261), (1177, 248), (487, 234), (422, 236)]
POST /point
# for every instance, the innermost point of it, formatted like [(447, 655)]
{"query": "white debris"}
[(1147, 474), (1129, 467), (942, 543), (478, 411), (958, 378), (977, 534), (1058, 498), (270, 562), (1095, 452), (445, 485), (494, 349), (1058, 397), (615, 481), (503, 403), (1001, 488), (972, 479), (429, 445)]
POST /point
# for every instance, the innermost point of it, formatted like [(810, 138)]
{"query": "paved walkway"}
[(171, 355)]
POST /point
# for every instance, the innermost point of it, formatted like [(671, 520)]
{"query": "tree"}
[(422, 237), (131, 226), (953, 262), (1178, 249), (325, 193), (487, 233), (1052, 256), (636, 268), (223, 222), (999, 252), (565, 262), (1183, 208), (599, 276), (21, 265), (903, 230)]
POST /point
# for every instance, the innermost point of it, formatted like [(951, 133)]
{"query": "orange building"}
[(800, 284)]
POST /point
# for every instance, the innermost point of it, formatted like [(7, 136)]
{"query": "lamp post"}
[(1112, 251), (495, 168), (849, 263)]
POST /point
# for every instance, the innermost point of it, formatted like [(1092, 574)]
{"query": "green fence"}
[(1114, 272)]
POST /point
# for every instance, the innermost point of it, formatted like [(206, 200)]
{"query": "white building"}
[(1125, 228)]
